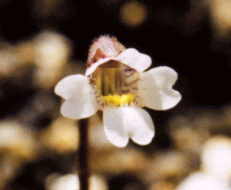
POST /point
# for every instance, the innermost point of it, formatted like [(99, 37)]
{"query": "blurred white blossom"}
[(215, 172), (201, 181), (71, 182), (62, 136), (17, 146), (17, 140), (51, 54)]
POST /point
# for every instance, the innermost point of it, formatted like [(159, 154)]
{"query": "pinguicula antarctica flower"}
[(116, 83)]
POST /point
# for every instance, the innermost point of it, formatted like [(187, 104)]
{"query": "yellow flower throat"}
[(113, 84), (117, 100)]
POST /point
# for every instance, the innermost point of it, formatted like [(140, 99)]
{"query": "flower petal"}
[(134, 59), (90, 70), (124, 122), (80, 97), (79, 108), (141, 126), (114, 126), (156, 91), (71, 85)]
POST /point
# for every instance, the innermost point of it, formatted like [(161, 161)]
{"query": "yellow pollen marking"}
[(117, 100)]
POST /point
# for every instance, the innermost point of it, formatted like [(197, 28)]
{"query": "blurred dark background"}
[(191, 36), (177, 34), (180, 34)]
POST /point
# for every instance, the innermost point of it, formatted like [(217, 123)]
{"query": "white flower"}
[(120, 88), (201, 181), (72, 182)]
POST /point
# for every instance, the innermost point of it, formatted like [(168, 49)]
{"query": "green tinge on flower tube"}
[(109, 81), (113, 85)]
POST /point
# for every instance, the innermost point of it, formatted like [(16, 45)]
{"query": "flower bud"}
[(104, 47)]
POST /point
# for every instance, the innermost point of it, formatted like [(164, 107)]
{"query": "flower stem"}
[(83, 155)]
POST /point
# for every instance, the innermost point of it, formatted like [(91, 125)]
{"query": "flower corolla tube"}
[(116, 83)]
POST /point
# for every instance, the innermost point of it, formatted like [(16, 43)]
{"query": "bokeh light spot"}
[(133, 13)]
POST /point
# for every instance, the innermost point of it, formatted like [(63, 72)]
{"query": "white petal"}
[(124, 122), (202, 181), (90, 70), (79, 108), (71, 85), (80, 97), (114, 126), (156, 90), (134, 59), (141, 126)]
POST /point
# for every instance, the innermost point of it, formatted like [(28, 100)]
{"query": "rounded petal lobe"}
[(115, 131), (95, 65), (124, 122), (70, 85), (134, 59), (80, 100), (156, 91), (80, 108), (141, 126)]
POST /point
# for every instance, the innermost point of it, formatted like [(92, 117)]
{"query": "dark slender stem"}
[(83, 155)]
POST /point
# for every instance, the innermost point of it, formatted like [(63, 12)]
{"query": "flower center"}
[(117, 100), (115, 84)]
